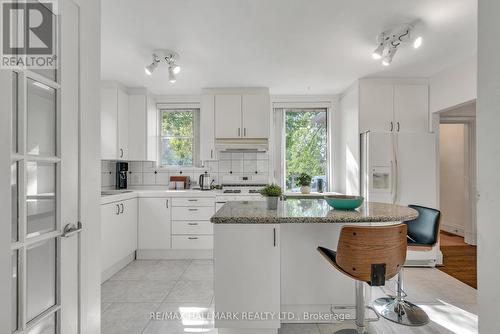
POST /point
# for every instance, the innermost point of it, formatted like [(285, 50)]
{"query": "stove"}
[(242, 189)]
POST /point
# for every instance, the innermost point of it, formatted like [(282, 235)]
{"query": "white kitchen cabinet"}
[(207, 132), (154, 223), (411, 108), (376, 107), (393, 107), (256, 110), (118, 232), (242, 116), (247, 273), (228, 116), (142, 130), (114, 123)]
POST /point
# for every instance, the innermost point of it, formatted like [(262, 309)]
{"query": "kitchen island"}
[(267, 269)]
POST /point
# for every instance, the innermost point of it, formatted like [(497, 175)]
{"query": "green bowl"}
[(344, 202)]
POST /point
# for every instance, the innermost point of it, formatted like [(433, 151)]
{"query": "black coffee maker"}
[(121, 175)]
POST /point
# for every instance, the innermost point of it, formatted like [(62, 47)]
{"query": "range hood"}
[(242, 145)]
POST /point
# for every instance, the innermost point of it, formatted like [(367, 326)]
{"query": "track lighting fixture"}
[(389, 41), (170, 58)]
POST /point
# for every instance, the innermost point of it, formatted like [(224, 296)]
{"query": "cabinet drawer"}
[(192, 227), (192, 242), (192, 213), (194, 201)]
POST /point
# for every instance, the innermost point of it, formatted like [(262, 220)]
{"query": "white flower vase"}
[(305, 190), (272, 203)]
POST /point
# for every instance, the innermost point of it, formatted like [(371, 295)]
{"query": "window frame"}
[(195, 137), (279, 113)]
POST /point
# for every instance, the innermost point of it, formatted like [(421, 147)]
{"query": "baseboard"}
[(453, 229), (175, 254), (106, 274)]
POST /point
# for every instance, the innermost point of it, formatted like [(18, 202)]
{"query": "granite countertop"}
[(309, 211)]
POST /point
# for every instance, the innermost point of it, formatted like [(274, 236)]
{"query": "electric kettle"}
[(204, 181)]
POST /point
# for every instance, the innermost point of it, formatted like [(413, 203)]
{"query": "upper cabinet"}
[(142, 132), (228, 116), (242, 116), (128, 124), (114, 123), (207, 132), (393, 107)]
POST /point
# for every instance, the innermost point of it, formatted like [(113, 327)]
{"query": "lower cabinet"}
[(247, 273), (191, 226), (155, 223), (118, 232)]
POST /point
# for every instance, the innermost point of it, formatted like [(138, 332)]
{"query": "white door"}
[(43, 195), (228, 116), (122, 125), (411, 108), (256, 110), (154, 223), (207, 134), (376, 107)]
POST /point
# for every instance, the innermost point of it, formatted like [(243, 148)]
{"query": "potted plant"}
[(304, 181), (272, 192)]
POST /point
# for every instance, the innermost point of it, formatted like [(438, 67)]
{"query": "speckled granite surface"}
[(309, 211)]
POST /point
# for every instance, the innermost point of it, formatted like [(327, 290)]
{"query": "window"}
[(304, 146), (178, 140)]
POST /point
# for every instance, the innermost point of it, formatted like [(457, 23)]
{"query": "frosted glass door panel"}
[(14, 292), (40, 278), (47, 326), (40, 197), (14, 190), (41, 134)]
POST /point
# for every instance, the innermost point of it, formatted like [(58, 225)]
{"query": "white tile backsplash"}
[(231, 168)]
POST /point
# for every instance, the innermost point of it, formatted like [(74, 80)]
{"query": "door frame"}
[(470, 228)]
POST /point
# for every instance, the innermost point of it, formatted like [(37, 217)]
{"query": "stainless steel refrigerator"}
[(401, 168)]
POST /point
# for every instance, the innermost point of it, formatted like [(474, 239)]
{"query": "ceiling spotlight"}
[(171, 75), (170, 58), (389, 41), (377, 54), (388, 57), (176, 68), (417, 42)]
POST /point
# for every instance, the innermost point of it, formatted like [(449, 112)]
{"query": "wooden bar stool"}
[(367, 254), (423, 234)]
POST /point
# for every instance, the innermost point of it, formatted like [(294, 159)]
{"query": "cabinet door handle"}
[(193, 224), (244, 132), (193, 238), (193, 209), (392, 126), (121, 153), (117, 209), (274, 237), (397, 126), (192, 200), (211, 154), (239, 131), (121, 204), (166, 203)]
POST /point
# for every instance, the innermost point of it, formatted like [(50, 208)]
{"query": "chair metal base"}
[(400, 311)]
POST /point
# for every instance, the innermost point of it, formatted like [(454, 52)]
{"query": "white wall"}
[(454, 86), (488, 162), (348, 141), (453, 186)]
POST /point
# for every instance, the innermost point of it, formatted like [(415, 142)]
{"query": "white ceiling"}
[(290, 46)]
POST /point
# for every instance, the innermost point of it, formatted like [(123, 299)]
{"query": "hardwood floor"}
[(459, 259)]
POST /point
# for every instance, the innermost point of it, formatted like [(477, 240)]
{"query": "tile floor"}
[(143, 287)]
